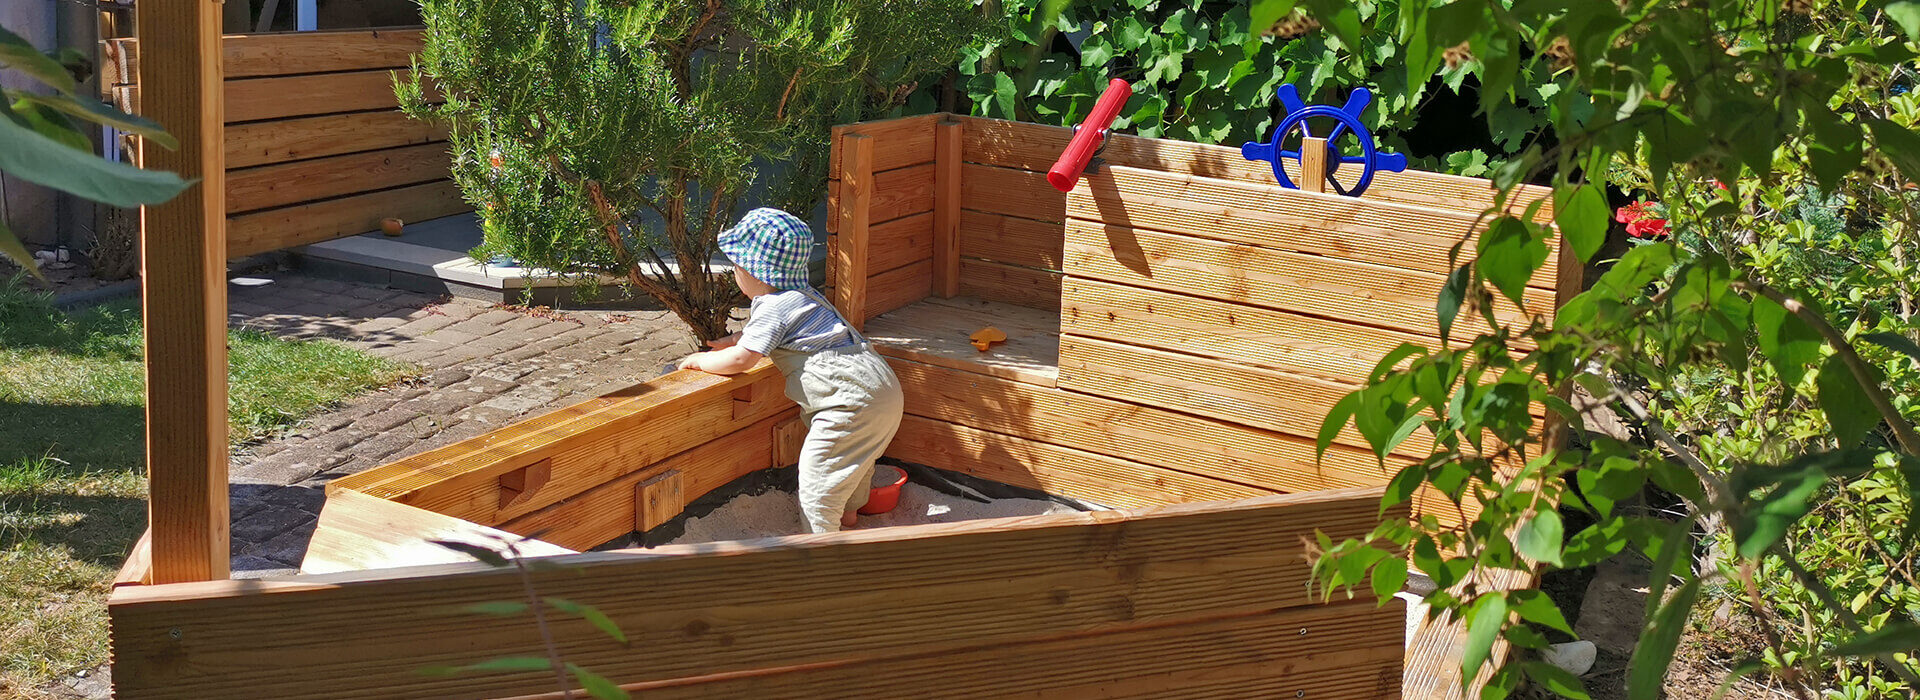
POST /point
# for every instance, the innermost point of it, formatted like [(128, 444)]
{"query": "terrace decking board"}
[(898, 243), (357, 532), (1010, 240), (899, 287), (1011, 192), (936, 331), (1019, 286)]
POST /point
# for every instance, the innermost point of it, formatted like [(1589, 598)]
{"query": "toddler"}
[(847, 394)]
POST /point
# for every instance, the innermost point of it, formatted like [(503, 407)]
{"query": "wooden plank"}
[(1012, 192), (358, 532), (1318, 347), (322, 178), (1233, 392), (1317, 285), (896, 193), (731, 607), (673, 414), (262, 143), (855, 216), (184, 298), (1020, 286), (1313, 164), (899, 142), (899, 243), (898, 287), (609, 511), (1348, 650), (788, 436), (1066, 471), (1382, 233), (661, 497), (252, 99), (1010, 240), (1034, 147), (256, 55), (946, 209), (273, 229), (937, 332), (1434, 653), (1148, 434), (137, 569)]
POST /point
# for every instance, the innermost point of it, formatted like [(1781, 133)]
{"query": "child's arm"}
[(724, 343), (730, 360)]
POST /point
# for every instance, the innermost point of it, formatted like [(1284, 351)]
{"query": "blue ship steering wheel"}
[(1346, 120)]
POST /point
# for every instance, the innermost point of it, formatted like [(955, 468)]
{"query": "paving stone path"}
[(481, 367)]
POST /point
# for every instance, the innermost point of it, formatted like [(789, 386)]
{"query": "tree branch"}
[(1870, 385)]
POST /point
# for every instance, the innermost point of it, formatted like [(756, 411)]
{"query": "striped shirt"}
[(795, 320)]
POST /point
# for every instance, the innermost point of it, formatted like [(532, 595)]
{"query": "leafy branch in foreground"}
[(41, 141), (1761, 337)]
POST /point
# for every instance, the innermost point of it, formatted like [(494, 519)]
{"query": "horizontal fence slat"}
[(334, 176), (263, 143), (899, 287), (256, 55), (897, 143), (900, 242), (273, 229), (252, 99), (1020, 286), (1013, 192)]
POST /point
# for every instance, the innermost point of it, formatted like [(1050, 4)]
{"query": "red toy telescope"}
[(1089, 136)]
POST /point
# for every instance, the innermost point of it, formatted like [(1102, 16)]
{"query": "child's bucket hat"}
[(771, 245)]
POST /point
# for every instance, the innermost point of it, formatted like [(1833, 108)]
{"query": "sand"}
[(777, 512)]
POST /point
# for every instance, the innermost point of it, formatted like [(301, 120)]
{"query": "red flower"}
[(1632, 212), (1718, 185), (1647, 228)]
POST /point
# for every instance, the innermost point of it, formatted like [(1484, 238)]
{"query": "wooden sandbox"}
[(1178, 327)]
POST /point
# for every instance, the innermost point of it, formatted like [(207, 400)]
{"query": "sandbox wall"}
[(1200, 320)]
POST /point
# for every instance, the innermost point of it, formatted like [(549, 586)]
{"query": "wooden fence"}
[(316, 148)]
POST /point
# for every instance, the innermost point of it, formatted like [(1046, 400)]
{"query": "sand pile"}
[(777, 512)]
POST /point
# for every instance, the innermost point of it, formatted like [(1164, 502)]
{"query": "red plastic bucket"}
[(883, 498)]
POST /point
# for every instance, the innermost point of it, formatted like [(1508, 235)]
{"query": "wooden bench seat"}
[(937, 331)]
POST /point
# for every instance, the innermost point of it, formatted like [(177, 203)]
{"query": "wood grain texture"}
[(1382, 233), (1020, 286), (937, 331), (1011, 192), (1010, 240), (898, 143), (256, 55), (1350, 652), (252, 99), (1034, 147), (610, 510), (662, 418), (285, 227), (336, 176), (946, 209), (263, 143), (137, 569), (855, 215), (1091, 477), (1147, 434), (184, 297), (661, 497), (1282, 340), (1316, 285), (726, 608), (357, 532), (1434, 653), (898, 287), (1261, 398), (900, 242)]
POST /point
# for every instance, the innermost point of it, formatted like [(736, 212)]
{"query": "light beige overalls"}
[(852, 404)]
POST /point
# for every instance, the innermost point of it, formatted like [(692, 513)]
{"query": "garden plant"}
[(620, 136), (1759, 332)]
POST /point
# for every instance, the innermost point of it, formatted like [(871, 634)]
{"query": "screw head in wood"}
[(174, 634)]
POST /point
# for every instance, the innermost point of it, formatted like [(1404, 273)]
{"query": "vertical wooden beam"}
[(856, 198), (946, 208), (1313, 164), (184, 294)]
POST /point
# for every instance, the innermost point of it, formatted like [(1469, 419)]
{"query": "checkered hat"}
[(771, 245)]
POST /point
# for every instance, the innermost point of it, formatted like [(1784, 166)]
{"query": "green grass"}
[(72, 489)]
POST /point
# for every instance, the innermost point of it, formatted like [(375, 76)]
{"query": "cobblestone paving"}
[(481, 367)]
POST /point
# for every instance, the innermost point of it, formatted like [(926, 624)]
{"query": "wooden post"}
[(1313, 164), (184, 294), (660, 499), (946, 208), (856, 198)]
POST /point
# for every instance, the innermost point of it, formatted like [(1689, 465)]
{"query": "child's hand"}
[(724, 343), (691, 361)]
